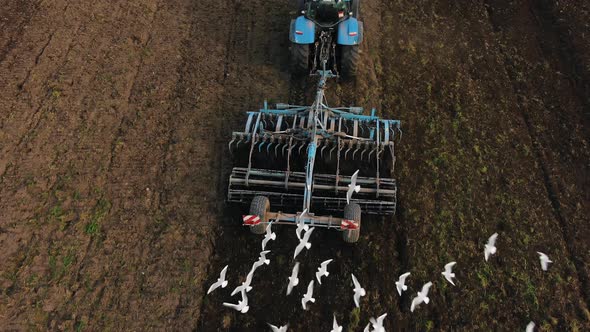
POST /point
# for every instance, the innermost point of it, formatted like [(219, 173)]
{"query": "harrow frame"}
[(316, 128)]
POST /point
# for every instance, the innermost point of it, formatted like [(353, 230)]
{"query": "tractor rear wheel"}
[(352, 212), (300, 6), (260, 207), (356, 8), (349, 60), (299, 59)]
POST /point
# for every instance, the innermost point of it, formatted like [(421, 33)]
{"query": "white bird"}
[(268, 236), (422, 296), (293, 280), (378, 323), (530, 327), (335, 326), (401, 283), (322, 271), (301, 226), (220, 281), (352, 187), (304, 242), (544, 260), (242, 305), (261, 260), (448, 272), (279, 329), (307, 297), (358, 291), (246, 284), (490, 247)]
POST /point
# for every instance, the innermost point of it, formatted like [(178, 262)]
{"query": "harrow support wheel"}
[(352, 212), (260, 206)]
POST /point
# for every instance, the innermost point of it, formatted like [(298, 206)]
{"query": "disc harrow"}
[(301, 158)]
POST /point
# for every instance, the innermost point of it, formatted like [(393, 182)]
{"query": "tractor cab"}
[(327, 11)]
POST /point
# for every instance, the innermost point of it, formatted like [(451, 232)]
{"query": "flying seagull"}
[(261, 260), (544, 260), (242, 305), (301, 226), (448, 273), (358, 291), (335, 326), (307, 297), (401, 283), (246, 284), (220, 281), (530, 327), (268, 236), (304, 242), (322, 271), (378, 323), (352, 187), (279, 329), (422, 296), (293, 280), (490, 247)]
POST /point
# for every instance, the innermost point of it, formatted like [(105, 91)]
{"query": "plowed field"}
[(114, 123)]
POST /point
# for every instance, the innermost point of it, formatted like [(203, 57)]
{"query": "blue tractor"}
[(326, 31)]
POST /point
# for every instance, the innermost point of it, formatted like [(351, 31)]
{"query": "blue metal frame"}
[(302, 31)]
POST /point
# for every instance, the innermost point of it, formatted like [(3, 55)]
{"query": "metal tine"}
[(370, 153), (284, 147), (356, 150), (261, 145), (263, 120), (332, 150), (322, 151), (346, 152), (239, 141), (302, 145), (364, 150), (269, 145), (276, 147), (230, 143)]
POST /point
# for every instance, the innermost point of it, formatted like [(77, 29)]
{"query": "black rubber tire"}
[(349, 61), (300, 5), (260, 206), (356, 9), (299, 59), (352, 212)]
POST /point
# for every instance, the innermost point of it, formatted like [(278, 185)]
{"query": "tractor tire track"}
[(517, 87)]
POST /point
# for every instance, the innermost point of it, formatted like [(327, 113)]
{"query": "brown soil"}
[(114, 123)]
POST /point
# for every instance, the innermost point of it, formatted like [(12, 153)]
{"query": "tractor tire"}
[(300, 6), (299, 59), (352, 212), (356, 9), (349, 61), (260, 206)]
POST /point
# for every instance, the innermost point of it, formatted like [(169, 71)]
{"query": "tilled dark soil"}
[(114, 124)]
